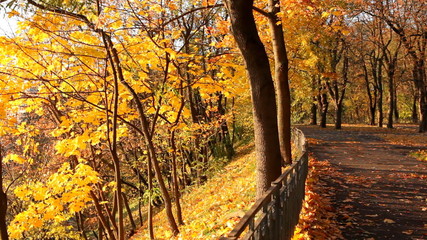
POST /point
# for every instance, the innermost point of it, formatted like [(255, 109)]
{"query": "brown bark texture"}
[(281, 77), (268, 156)]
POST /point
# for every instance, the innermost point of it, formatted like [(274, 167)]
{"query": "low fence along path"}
[(275, 214), (379, 191)]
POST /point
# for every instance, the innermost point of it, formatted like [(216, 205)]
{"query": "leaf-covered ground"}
[(318, 218), (378, 189), (213, 209)]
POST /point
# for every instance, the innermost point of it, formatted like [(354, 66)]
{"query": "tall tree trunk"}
[(129, 211), (175, 181), (282, 81), (100, 235), (80, 224), (423, 120), (150, 199), (155, 163), (380, 108), (323, 109), (372, 110), (420, 79), (391, 96), (391, 61), (225, 135), (147, 137), (338, 116), (415, 109), (117, 75), (390, 104), (313, 113), (268, 156), (314, 105), (372, 99), (340, 93), (103, 222), (3, 201), (380, 96), (322, 100)]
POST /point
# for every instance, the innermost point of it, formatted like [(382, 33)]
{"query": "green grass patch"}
[(420, 155)]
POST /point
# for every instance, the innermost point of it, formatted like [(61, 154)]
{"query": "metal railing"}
[(275, 215)]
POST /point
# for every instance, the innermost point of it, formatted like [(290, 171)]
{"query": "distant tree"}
[(408, 20)]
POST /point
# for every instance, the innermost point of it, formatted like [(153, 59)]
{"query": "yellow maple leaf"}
[(14, 157), (12, 13)]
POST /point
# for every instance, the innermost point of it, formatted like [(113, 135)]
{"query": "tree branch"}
[(191, 11), (80, 17), (262, 12)]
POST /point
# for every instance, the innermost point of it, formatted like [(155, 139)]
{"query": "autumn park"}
[(213, 119)]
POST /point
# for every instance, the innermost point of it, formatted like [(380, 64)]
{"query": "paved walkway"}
[(380, 192)]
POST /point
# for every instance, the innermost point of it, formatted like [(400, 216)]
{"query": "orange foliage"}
[(318, 217)]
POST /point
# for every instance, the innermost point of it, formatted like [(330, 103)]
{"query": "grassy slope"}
[(215, 207)]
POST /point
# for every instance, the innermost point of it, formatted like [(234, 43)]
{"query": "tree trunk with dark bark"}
[(267, 146), (423, 120), (420, 79), (380, 96), (313, 113), (372, 110), (175, 181), (371, 97), (390, 62), (391, 100), (380, 108), (324, 104), (340, 94), (315, 104), (129, 212), (338, 116), (3, 202), (415, 109), (396, 109), (282, 81), (152, 155)]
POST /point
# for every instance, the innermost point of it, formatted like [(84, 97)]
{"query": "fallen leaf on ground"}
[(389, 221)]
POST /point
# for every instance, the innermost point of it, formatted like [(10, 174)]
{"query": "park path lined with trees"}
[(378, 190)]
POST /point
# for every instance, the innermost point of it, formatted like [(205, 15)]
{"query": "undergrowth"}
[(420, 155), (214, 208)]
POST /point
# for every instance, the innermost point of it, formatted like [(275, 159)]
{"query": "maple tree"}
[(145, 98), (83, 49), (271, 134)]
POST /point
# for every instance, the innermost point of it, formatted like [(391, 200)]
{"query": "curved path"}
[(379, 191)]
